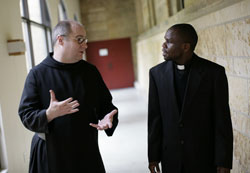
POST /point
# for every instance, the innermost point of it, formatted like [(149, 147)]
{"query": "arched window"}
[(37, 30), (62, 11)]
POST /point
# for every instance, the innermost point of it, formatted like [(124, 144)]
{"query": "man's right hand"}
[(154, 167), (57, 109)]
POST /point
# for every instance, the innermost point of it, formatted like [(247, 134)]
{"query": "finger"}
[(52, 95), (157, 168), (68, 100), (73, 111), (106, 126), (110, 125), (151, 168), (75, 105), (112, 113), (101, 127), (94, 125)]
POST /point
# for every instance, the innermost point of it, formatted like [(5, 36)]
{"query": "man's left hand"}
[(106, 122), (223, 170)]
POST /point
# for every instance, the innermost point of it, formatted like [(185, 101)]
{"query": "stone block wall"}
[(226, 41), (224, 37)]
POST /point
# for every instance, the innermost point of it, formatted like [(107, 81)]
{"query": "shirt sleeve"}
[(154, 122), (222, 120), (106, 105), (32, 115)]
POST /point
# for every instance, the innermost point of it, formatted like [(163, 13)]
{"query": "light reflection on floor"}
[(126, 150)]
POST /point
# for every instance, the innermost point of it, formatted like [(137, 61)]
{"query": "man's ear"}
[(186, 47), (60, 39)]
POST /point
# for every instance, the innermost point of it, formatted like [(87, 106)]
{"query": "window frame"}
[(62, 11), (182, 4), (45, 25)]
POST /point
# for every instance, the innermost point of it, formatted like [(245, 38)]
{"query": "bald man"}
[(65, 102)]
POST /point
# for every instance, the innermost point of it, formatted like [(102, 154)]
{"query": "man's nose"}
[(164, 45), (84, 45)]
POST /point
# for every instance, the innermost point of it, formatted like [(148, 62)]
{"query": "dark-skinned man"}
[(189, 123)]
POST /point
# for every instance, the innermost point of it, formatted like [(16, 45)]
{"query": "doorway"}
[(113, 58)]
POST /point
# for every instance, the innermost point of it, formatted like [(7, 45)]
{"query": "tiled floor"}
[(126, 150)]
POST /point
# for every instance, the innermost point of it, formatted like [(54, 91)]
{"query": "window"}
[(62, 11), (37, 30), (175, 6), (182, 4)]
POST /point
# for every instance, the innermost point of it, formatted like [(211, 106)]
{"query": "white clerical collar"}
[(181, 67)]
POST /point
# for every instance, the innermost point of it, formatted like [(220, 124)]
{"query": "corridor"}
[(126, 150)]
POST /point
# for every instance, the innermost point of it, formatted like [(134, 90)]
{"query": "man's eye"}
[(80, 40)]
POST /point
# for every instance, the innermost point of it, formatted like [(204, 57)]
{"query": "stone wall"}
[(224, 37)]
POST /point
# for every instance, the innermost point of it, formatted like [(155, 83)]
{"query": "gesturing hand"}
[(61, 108), (154, 167), (106, 122)]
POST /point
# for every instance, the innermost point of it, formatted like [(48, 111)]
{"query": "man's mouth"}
[(164, 52)]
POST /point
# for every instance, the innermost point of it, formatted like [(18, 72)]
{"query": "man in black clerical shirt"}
[(65, 101), (189, 124)]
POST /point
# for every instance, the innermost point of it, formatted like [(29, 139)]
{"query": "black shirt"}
[(180, 82)]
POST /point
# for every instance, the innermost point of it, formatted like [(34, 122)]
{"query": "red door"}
[(113, 58)]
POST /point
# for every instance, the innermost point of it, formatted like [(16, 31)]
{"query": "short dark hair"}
[(187, 33)]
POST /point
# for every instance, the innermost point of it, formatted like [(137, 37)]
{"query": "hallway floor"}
[(126, 150)]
